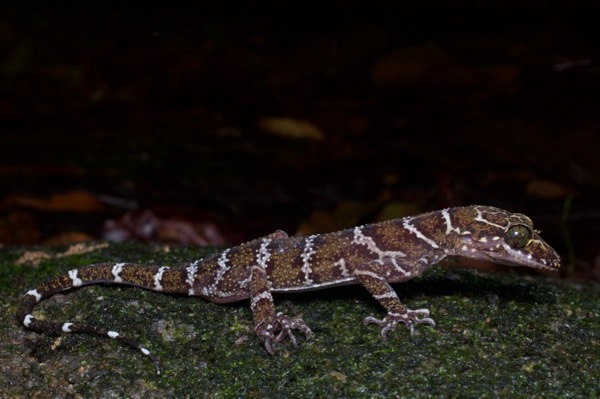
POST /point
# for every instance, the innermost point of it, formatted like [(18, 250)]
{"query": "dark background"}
[(159, 124)]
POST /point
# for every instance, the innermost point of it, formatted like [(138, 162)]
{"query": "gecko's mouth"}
[(525, 260), (515, 259)]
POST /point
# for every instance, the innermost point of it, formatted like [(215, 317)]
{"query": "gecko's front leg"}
[(373, 277), (269, 326)]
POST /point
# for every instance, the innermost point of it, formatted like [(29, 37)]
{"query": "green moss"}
[(496, 335)]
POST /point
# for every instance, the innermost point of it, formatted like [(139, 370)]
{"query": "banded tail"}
[(149, 277)]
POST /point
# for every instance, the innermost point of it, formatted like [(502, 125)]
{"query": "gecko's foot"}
[(279, 328), (409, 318)]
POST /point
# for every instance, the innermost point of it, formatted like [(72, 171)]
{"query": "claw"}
[(372, 320), (420, 312), (280, 328), (426, 321), (387, 328), (269, 346), (409, 318)]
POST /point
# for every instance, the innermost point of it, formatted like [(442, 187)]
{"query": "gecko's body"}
[(372, 255)]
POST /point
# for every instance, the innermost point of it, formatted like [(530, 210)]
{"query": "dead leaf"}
[(548, 189), (69, 237), (19, 227), (148, 226), (290, 127), (32, 257), (72, 201), (410, 64), (35, 257)]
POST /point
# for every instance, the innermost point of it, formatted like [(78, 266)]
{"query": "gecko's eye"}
[(518, 236)]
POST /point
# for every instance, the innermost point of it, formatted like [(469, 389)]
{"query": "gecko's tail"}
[(104, 273)]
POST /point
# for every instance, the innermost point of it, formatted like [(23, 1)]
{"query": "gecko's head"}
[(499, 236)]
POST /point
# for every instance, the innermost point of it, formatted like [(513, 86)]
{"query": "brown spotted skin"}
[(373, 255)]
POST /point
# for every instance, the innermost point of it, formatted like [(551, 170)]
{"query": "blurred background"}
[(219, 123)]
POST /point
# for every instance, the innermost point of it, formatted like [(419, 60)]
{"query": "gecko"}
[(372, 255)]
